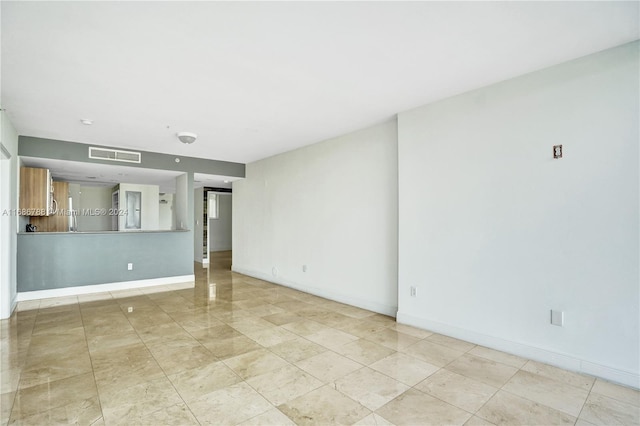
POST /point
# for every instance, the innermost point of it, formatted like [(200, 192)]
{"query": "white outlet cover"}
[(557, 318)]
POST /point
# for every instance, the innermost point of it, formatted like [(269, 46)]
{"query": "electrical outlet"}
[(413, 291), (557, 318), (129, 266)]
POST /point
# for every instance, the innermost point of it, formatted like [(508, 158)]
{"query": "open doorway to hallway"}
[(218, 232), (220, 261), (212, 217), (213, 235)]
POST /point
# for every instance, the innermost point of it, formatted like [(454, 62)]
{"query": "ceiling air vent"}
[(114, 155)]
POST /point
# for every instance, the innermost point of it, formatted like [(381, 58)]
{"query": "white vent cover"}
[(114, 155)]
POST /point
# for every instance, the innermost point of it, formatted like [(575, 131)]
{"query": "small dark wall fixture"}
[(557, 151)]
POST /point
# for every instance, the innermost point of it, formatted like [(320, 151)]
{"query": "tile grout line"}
[(584, 404), (93, 371)]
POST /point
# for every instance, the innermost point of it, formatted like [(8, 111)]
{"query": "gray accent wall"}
[(57, 260), (71, 151)]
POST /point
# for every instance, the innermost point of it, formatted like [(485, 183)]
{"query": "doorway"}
[(218, 231)]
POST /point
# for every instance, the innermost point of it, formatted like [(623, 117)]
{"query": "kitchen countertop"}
[(105, 232)]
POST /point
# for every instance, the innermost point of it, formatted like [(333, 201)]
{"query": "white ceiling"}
[(256, 79)]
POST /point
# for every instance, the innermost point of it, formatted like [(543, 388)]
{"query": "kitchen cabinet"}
[(59, 220), (36, 192)]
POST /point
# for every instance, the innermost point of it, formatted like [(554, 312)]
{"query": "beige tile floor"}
[(238, 350)]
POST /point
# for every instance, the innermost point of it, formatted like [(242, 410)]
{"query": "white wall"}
[(220, 235), (181, 206), (149, 219), (167, 217), (494, 232), (331, 206), (198, 206), (9, 173), (92, 198)]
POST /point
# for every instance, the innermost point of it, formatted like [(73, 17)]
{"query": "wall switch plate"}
[(130, 309), (413, 291), (557, 318), (129, 266), (557, 151), (304, 268)]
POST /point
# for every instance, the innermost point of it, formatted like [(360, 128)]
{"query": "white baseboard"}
[(12, 307), (14, 304), (100, 288), (338, 297), (567, 362)]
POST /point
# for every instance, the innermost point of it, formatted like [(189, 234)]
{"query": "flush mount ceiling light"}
[(187, 137), (86, 121)]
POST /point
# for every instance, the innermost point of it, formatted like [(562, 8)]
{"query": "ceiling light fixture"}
[(187, 137), (86, 122)]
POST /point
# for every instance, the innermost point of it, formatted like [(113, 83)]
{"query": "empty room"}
[(314, 213)]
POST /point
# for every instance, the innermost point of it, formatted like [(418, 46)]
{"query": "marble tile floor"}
[(238, 350)]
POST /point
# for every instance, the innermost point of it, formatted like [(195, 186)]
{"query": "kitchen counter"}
[(50, 260), (104, 232)]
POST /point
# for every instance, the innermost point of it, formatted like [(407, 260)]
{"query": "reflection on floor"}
[(235, 349), (220, 261)]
